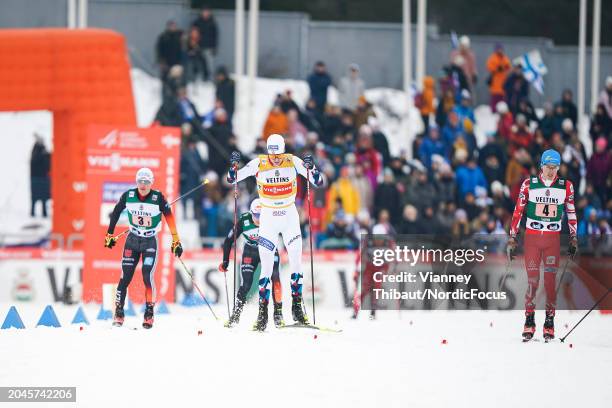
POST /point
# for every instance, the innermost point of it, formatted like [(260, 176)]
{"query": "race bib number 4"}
[(546, 210)]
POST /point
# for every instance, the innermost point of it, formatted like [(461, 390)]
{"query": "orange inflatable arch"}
[(83, 77)]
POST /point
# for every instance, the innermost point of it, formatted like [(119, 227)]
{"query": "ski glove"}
[(235, 158), (511, 249), (109, 241), (176, 248), (308, 162), (223, 266), (573, 247)]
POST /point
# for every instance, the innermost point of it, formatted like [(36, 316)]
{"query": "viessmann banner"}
[(113, 157)]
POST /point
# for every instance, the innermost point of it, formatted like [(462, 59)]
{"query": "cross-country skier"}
[(145, 207), (276, 175), (248, 226), (544, 197)]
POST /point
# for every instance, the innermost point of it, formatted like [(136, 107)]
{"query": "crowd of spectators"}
[(449, 185)]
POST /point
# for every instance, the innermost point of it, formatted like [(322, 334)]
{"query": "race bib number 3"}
[(144, 221), (546, 210)]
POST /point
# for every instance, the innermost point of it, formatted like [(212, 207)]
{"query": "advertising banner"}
[(113, 157)]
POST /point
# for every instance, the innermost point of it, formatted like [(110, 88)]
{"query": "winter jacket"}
[(498, 66)]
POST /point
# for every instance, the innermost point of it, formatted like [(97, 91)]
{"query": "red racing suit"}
[(544, 203)]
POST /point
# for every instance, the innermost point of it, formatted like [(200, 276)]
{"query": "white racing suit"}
[(277, 187)]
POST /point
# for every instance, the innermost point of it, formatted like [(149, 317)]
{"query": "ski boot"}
[(235, 317), (148, 316), (262, 317), (549, 326), (119, 316), (278, 315), (297, 310), (372, 314), (530, 326)]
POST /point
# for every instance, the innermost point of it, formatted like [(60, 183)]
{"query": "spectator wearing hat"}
[(469, 61), (351, 87), (168, 48), (318, 82), (425, 101), (498, 65), (516, 88)]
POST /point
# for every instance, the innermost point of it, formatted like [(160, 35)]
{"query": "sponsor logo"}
[(141, 207), (125, 139), (265, 243), (293, 239), (276, 173), (131, 194), (277, 179), (536, 225), (148, 261), (154, 197), (561, 182), (547, 193), (247, 259), (279, 213), (534, 179), (547, 200), (109, 140), (170, 141), (273, 147), (150, 250), (550, 260), (125, 260), (553, 227), (116, 162), (127, 253), (277, 190)]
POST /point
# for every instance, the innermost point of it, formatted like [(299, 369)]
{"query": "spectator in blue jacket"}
[(451, 131), (318, 82), (464, 109), (432, 144), (469, 176)]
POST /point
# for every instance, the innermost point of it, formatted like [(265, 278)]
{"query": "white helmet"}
[(255, 207), (144, 174), (275, 144)]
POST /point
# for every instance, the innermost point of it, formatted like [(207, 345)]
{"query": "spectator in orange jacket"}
[(498, 65), (426, 101), (276, 122)]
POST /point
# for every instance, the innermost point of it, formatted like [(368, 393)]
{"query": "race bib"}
[(143, 221), (546, 210)]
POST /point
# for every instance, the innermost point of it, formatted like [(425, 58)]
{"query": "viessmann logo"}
[(277, 190), (116, 161)]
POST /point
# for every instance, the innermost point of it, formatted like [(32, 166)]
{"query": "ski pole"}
[(235, 243), (587, 313), (206, 181), (314, 316), (508, 264), (561, 277), (195, 285)]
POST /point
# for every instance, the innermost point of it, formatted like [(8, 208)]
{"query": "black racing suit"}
[(136, 247), (250, 261)]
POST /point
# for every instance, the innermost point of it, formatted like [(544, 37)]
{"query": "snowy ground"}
[(395, 361)]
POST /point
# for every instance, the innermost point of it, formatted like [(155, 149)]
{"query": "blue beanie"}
[(550, 156)]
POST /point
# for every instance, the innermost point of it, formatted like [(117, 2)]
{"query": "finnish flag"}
[(533, 69)]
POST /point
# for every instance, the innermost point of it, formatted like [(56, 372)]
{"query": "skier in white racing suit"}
[(276, 175)]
